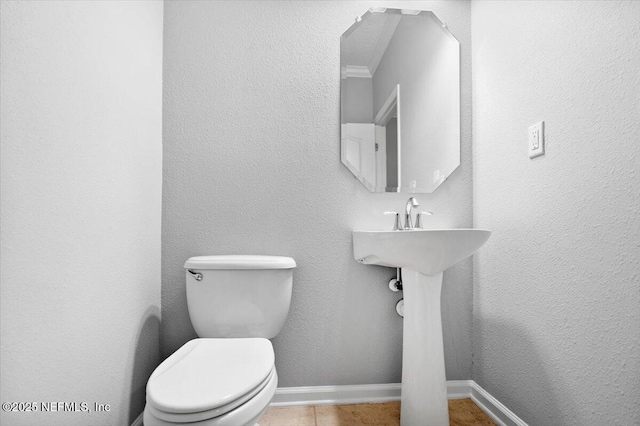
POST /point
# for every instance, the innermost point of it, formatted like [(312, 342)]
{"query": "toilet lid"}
[(205, 374)]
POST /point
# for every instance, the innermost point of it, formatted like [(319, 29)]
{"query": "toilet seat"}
[(247, 414), (216, 412), (207, 378)]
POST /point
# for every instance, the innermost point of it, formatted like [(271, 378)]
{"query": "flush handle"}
[(196, 275)]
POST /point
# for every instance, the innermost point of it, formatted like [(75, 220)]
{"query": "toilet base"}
[(154, 421)]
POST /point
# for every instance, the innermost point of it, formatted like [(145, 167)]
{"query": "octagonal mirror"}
[(400, 101)]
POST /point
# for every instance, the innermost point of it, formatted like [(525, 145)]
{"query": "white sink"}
[(429, 251), (423, 254)]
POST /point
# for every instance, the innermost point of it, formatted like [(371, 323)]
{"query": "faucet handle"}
[(418, 221), (396, 225)]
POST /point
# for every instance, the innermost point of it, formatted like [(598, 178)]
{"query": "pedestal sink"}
[(423, 254)]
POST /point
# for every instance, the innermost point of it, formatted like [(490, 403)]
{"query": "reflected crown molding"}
[(355, 71)]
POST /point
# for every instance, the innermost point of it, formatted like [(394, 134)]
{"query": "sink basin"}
[(423, 255), (429, 251)]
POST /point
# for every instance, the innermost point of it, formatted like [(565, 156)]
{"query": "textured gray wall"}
[(556, 289), (252, 165), (81, 154)]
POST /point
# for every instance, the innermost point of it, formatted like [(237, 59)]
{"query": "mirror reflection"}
[(400, 101)]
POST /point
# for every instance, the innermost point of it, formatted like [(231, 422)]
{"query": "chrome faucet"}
[(412, 203)]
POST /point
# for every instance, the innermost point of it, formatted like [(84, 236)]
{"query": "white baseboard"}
[(367, 394), (494, 408), (138, 420), (336, 395)]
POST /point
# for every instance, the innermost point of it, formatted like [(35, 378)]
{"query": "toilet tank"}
[(239, 296)]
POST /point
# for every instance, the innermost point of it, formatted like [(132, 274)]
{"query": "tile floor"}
[(462, 412)]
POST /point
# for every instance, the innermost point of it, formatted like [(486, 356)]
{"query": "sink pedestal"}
[(424, 387), (422, 254)]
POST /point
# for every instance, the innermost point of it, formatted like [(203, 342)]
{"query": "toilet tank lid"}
[(240, 262)]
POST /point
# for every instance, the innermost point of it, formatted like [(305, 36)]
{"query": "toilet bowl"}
[(215, 382), (227, 377)]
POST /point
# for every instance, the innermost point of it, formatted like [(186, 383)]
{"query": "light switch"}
[(536, 140)]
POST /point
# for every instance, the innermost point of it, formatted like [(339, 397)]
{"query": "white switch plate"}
[(536, 140)]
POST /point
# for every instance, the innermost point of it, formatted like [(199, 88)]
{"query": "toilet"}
[(227, 376)]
